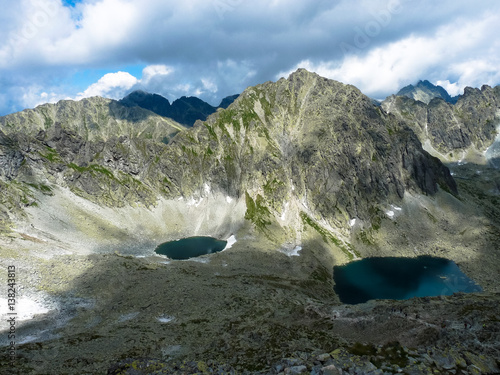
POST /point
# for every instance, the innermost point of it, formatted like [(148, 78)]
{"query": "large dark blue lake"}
[(190, 247), (399, 278)]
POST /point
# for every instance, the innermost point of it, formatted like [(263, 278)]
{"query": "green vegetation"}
[(328, 237), (43, 188), (257, 212), (431, 217), (376, 215), (363, 236), (271, 186), (51, 155), (227, 117), (211, 130), (321, 274), (92, 168)]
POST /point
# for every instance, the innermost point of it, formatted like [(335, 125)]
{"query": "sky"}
[(60, 49)]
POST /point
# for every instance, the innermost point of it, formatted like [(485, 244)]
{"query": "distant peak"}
[(425, 91), (301, 72)]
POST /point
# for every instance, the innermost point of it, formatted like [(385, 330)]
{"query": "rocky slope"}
[(309, 141), (452, 131), (71, 144), (304, 166)]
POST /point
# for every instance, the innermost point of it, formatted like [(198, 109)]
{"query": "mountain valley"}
[(306, 173)]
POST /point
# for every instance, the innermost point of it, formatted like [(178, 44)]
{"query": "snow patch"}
[(229, 199), (200, 259), (25, 308), (125, 317), (165, 319), (352, 222), (194, 202), (27, 339), (393, 212), (206, 188), (295, 251), (283, 215), (291, 252), (230, 242)]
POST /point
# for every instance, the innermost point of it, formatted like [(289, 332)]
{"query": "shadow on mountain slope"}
[(247, 308)]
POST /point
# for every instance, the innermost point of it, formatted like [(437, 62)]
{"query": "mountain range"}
[(302, 166), (185, 110)]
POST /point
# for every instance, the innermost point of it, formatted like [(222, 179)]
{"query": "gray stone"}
[(331, 370), (296, 370), (324, 357)]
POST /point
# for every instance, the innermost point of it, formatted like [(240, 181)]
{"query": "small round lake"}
[(399, 278), (190, 247)]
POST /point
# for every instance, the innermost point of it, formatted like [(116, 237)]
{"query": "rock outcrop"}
[(452, 130), (10, 157)]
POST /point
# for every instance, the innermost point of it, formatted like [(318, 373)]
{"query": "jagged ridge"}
[(450, 128), (185, 110), (305, 139)]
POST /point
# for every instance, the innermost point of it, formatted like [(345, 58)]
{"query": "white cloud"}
[(111, 85), (387, 68), (155, 71), (219, 47), (453, 89), (209, 84)]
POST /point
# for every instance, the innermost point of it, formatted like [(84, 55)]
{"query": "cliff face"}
[(306, 139), (452, 130), (10, 157)]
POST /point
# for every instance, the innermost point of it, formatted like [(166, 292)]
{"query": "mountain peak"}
[(186, 110), (425, 91)]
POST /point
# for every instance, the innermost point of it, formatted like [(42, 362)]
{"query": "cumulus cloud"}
[(446, 53), (219, 47), (111, 85)]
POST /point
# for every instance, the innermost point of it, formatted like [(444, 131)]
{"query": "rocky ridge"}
[(425, 91), (185, 110), (319, 141), (452, 132), (305, 163)]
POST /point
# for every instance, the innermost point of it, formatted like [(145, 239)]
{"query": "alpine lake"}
[(399, 278), (190, 247), (362, 280)]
